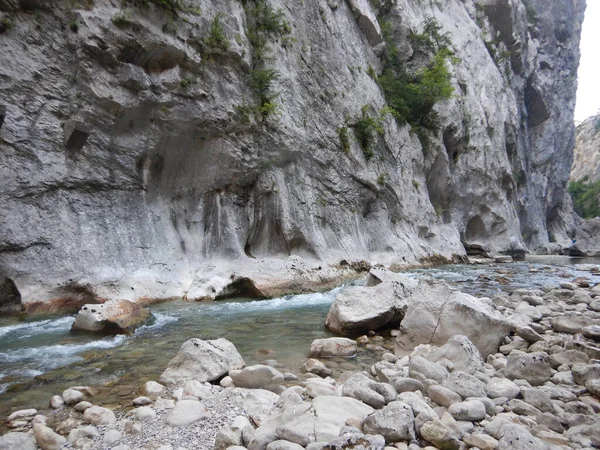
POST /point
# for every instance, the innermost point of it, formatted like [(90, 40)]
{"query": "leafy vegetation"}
[(371, 72), (171, 6), (381, 178), (366, 129), (264, 22), (6, 25), (412, 96), (344, 140), (216, 38), (121, 20), (74, 26), (585, 198)]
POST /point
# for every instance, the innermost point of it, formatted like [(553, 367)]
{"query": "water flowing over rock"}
[(112, 317), (147, 165), (202, 361)]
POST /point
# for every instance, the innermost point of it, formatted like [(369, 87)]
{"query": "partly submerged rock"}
[(202, 361), (323, 348), (112, 317)]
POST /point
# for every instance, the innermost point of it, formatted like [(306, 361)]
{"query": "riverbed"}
[(41, 358)]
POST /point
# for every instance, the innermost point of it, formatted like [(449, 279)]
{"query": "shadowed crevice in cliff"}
[(10, 297)]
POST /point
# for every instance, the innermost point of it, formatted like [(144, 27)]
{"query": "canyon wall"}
[(227, 139)]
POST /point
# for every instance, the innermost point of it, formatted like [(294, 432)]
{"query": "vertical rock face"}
[(184, 171), (586, 157)]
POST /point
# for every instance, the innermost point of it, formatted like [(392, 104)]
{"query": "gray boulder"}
[(17, 440), (112, 317), (572, 324), (459, 351), (374, 394), (532, 367), (437, 312), (323, 348), (472, 410), (395, 422), (202, 361), (353, 312), (440, 435), (465, 385), (357, 441)]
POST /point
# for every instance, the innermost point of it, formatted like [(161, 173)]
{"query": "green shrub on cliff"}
[(585, 198)]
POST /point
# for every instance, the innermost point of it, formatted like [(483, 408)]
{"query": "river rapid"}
[(40, 358)]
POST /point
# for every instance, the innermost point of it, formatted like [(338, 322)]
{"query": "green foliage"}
[(381, 178), (269, 20), (185, 82), (431, 39), (74, 26), (366, 129), (344, 140), (532, 19), (262, 82), (216, 38), (412, 96), (416, 184), (121, 20), (371, 72), (6, 24), (585, 198)]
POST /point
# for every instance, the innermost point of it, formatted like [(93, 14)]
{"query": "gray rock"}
[(202, 361), (582, 373), (141, 401), (114, 316), (356, 441), (443, 396), (342, 347), (353, 312), (145, 413), (284, 445), (46, 438), (256, 377), (196, 389), (372, 393), (83, 432), (481, 441), (528, 334), (572, 324), (533, 367), (395, 422), (517, 437), (96, 415), (82, 406), (461, 352), (538, 399), (437, 313), (17, 440), (186, 412), (112, 436), (315, 366), (593, 387), (56, 402), (471, 410), (406, 385), (440, 435), (464, 385), (585, 434), (502, 387), (72, 396), (429, 370)]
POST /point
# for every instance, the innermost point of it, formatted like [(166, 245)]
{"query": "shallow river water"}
[(41, 358)]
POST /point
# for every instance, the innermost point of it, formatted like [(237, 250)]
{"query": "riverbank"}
[(540, 387)]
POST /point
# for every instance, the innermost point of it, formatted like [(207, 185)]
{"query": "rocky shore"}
[(516, 371)]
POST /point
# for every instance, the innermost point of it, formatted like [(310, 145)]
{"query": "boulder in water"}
[(112, 317), (202, 361)]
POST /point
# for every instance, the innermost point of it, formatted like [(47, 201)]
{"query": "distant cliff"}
[(586, 157), (226, 137)]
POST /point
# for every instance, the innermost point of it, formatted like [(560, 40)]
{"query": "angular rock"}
[(440, 435), (284, 445), (430, 370), (461, 352), (406, 385), (437, 312), (353, 312), (481, 441), (532, 367), (186, 412), (196, 389), (582, 373), (395, 422), (572, 324), (316, 367), (372, 393), (517, 437), (367, 21), (464, 385), (112, 317), (443, 396), (202, 361), (341, 347)]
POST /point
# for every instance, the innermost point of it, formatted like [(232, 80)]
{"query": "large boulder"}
[(112, 317), (323, 348), (436, 312), (202, 361), (382, 301)]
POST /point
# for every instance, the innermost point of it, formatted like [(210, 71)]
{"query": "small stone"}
[(406, 385), (481, 441), (316, 367), (145, 414), (186, 412), (443, 396), (23, 414), (82, 406), (472, 410), (152, 388), (96, 415), (141, 401), (440, 435), (56, 402), (72, 396), (112, 436)]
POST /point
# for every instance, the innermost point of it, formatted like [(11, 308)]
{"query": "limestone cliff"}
[(586, 156), (227, 136)]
